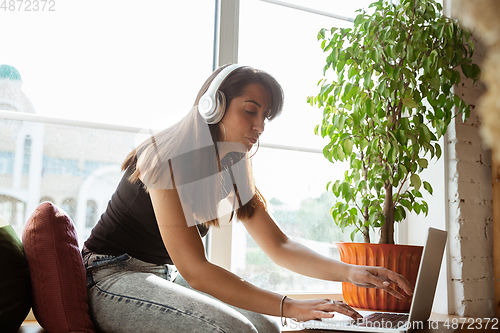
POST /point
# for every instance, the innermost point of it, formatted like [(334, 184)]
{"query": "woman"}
[(174, 182)]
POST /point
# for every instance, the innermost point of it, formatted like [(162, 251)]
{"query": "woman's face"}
[(245, 116)]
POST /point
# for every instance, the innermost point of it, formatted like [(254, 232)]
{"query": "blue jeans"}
[(130, 295)]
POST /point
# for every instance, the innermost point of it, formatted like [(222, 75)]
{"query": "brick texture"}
[(470, 209)]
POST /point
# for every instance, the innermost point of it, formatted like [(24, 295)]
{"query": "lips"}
[(252, 140)]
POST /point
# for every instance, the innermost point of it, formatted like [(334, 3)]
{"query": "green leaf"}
[(334, 57), (336, 188), (321, 34), (348, 144), (362, 185), (428, 187), (438, 150), (415, 181), (455, 77), (446, 88), (410, 102), (353, 212), (425, 64), (433, 56), (467, 70), (423, 163), (363, 144), (358, 19), (327, 153), (440, 31), (372, 218), (393, 155), (425, 133), (368, 79), (406, 203), (403, 169), (353, 233), (476, 72), (387, 147), (340, 153), (416, 208), (409, 52), (397, 214), (435, 82)]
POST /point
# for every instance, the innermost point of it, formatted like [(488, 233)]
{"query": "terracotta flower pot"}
[(402, 259)]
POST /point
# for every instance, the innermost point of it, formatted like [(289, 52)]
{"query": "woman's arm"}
[(185, 247), (300, 259)]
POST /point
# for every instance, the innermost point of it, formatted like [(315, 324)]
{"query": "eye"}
[(251, 112)]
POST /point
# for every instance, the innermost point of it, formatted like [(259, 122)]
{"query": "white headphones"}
[(212, 104)]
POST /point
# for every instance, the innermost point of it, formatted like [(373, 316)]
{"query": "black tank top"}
[(129, 226)]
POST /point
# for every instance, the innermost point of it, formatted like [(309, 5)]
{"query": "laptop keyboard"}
[(383, 320)]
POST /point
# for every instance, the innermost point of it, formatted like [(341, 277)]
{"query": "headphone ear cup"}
[(221, 105), (212, 105), (219, 108)]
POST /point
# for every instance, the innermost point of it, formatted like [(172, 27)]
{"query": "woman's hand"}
[(378, 277), (315, 309)]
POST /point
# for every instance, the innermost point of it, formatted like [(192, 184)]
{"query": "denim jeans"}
[(133, 296)]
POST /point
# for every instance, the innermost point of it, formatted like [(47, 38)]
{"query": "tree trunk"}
[(387, 229), (366, 235), (366, 230)]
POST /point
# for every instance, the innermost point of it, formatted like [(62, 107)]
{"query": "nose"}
[(259, 125)]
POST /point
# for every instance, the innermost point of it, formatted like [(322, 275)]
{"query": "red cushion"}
[(56, 271)]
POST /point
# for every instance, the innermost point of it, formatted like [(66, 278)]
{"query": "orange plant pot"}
[(402, 259)]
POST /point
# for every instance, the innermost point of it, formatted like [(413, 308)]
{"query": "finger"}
[(386, 285), (379, 280), (318, 314), (392, 291), (343, 308), (400, 281), (397, 279), (403, 284)]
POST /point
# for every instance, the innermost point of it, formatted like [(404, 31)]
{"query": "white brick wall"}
[(470, 211)]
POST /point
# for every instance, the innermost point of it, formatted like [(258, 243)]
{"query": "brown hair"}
[(171, 141)]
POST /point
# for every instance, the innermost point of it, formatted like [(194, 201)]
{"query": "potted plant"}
[(385, 106)]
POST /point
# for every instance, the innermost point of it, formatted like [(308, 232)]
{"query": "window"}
[(12, 210), (117, 62), (91, 216), (43, 199), (60, 166), (6, 162), (26, 155), (69, 206), (144, 70), (91, 166), (293, 182), (139, 69)]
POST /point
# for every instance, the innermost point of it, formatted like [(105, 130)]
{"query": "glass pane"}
[(289, 50), (113, 61), (75, 168), (293, 183)]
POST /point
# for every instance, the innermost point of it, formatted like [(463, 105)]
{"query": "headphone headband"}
[(212, 104)]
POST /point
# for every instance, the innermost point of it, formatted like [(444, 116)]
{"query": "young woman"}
[(166, 202)]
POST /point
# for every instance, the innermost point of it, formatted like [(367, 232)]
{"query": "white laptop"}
[(421, 306)]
